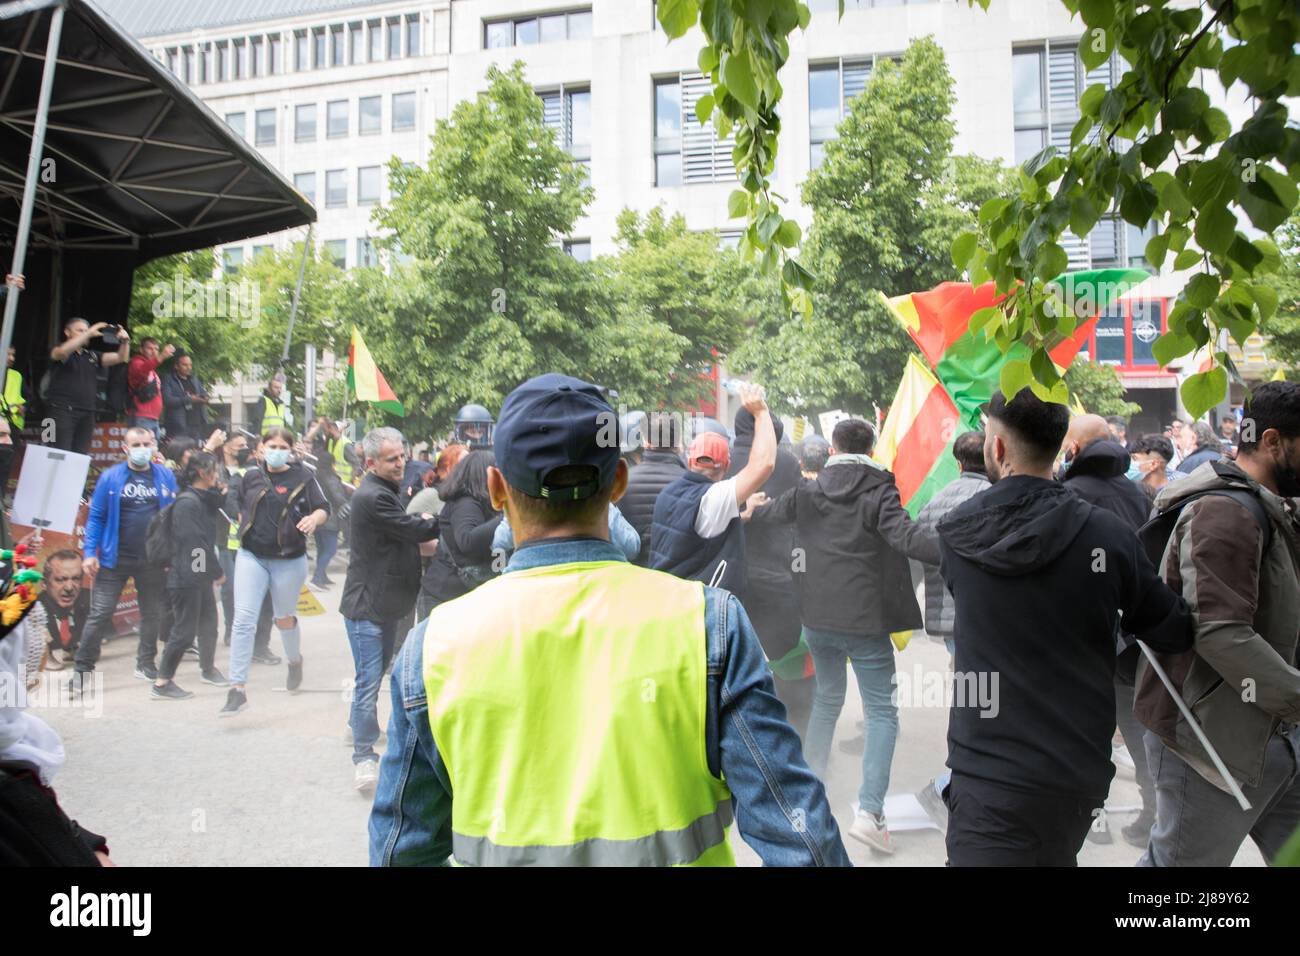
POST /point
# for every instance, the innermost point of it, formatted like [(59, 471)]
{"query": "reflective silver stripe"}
[(663, 848)]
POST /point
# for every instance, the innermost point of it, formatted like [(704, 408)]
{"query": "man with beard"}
[(185, 400), (66, 604), (770, 596), (1039, 578), (1234, 554)]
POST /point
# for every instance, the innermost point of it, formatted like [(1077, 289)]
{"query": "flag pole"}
[(1196, 728)]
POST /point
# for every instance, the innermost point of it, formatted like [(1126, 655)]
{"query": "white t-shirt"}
[(717, 508)]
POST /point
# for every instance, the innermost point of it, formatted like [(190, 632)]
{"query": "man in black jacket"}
[(661, 464), (185, 400), (383, 580), (1039, 578), (1096, 469), (852, 541)]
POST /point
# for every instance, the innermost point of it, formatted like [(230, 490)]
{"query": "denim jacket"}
[(780, 805)]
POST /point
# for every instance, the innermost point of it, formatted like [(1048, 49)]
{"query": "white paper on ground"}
[(904, 812)]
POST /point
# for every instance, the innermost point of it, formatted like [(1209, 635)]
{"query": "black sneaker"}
[(1138, 833), (236, 700), (265, 657), (80, 682), (146, 672), (294, 680), (169, 691), (214, 677)]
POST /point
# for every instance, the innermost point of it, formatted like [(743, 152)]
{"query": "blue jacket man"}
[(126, 498)]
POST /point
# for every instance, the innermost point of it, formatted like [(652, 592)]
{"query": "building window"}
[(376, 36), (171, 60), (367, 254), (336, 119), (187, 64), (259, 251), (241, 59), (830, 88), (338, 46), (368, 179), (231, 259), (336, 250), (394, 38), (237, 122), (336, 187), (547, 28), (729, 239), (567, 111), (357, 35), (370, 115), (1047, 81), (264, 126), (580, 249), (301, 52), (318, 48), (255, 56), (273, 56), (413, 34), (204, 63), (223, 61), (403, 111), (305, 183), (304, 123), (684, 150)]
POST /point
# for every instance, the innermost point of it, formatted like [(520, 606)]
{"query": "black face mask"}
[(243, 455)]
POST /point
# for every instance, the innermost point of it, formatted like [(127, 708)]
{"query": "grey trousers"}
[(1197, 824)]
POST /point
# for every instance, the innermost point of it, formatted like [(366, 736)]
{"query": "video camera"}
[(108, 339)]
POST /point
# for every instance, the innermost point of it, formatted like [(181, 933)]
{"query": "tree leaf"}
[(1015, 375), (704, 108), (738, 72), (789, 234), (1201, 290), (738, 204), (1216, 227), (1204, 390), (677, 16), (1268, 200), (1170, 347), (963, 247)]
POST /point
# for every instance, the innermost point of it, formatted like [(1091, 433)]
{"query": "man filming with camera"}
[(73, 389)]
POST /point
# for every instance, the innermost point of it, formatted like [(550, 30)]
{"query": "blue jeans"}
[(327, 545), (872, 657), (372, 648), (254, 576)]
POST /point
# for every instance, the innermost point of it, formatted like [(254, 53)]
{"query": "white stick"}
[(1196, 728), (717, 575)]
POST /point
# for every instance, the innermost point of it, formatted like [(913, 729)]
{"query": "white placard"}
[(828, 421), (50, 487)]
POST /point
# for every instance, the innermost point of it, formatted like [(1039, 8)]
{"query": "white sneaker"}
[(347, 734), (871, 830), (367, 775), (1123, 761)]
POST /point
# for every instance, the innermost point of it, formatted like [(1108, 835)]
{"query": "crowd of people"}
[(531, 587)]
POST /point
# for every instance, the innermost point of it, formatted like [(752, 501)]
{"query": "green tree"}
[(1283, 327), (1153, 148), (887, 201), (490, 298), (1099, 389)]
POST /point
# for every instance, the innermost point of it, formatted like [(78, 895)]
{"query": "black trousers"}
[(989, 825), (194, 614), (73, 427), (104, 596)]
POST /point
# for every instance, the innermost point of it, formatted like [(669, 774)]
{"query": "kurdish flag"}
[(967, 364), (366, 382), (916, 439)]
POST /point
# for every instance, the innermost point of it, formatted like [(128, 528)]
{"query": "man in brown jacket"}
[(1238, 567)]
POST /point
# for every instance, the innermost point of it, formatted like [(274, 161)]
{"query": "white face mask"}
[(276, 457), (139, 456)]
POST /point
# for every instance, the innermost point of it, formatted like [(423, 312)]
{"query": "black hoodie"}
[(853, 539), (1097, 474), (1039, 578)]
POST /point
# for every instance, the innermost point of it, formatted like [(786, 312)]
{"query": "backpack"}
[(159, 545), (1155, 534)]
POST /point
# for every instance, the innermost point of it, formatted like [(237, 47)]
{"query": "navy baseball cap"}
[(553, 421)]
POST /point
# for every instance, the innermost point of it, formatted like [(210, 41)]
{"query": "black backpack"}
[(159, 546), (1154, 535)]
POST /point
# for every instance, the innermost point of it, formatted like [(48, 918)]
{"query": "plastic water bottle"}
[(733, 385)]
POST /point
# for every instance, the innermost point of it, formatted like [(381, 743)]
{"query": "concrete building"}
[(331, 90)]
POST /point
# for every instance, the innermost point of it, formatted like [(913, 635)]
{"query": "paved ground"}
[(170, 784)]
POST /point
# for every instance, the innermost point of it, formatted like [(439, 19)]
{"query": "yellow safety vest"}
[(13, 394), (232, 533), (272, 414), (342, 467), (568, 705)]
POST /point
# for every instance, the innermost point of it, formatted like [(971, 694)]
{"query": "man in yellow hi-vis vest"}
[(579, 710)]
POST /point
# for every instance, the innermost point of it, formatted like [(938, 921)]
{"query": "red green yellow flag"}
[(366, 382), (916, 439)]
